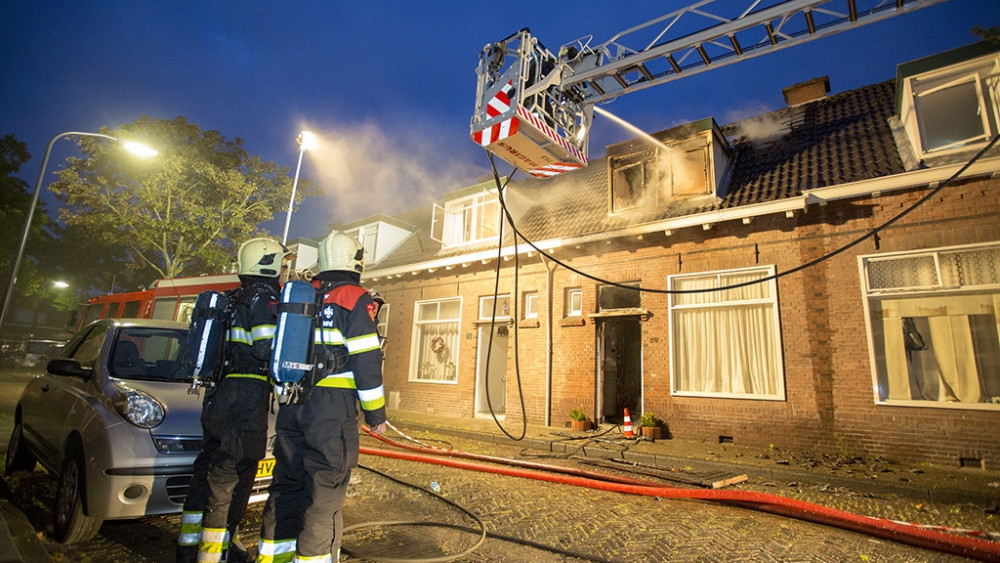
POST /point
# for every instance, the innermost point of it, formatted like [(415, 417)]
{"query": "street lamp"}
[(131, 146), (306, 141)]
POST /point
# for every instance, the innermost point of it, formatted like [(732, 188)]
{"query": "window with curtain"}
[(434, 357), (726, 342), (933, 319)]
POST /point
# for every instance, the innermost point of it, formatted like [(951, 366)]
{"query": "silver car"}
[(113, 418)]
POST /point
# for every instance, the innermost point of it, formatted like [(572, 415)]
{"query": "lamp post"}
[(305, 141), (131, 146)]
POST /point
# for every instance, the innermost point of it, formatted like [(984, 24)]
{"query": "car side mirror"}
[(66, 366)]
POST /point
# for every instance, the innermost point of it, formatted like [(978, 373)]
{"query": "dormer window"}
[(467, 220), (953, 106), (682, 163)]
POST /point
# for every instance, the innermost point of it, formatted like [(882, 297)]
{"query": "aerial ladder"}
[(534, 108)]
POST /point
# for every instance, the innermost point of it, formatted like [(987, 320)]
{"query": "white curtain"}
[(727, 345)]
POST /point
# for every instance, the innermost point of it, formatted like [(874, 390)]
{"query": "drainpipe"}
[(549, 271)]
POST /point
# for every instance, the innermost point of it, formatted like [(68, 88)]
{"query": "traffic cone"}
[(628, 426)]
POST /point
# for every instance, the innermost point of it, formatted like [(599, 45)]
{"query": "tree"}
[(184, 210), (15, 197)]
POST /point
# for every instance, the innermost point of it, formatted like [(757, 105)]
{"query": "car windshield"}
[(149, 353)]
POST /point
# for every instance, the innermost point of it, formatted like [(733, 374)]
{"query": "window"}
[(383, 321), (502, 307), (131, 309), (530, 308), (654, 177), (435, 341), (952, 108), (932, 326), (467, 220), (574, 302), (164, 308), (612, 297), (726, 342)]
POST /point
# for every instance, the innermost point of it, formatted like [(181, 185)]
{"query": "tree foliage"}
[(16, 197), (182, 211)]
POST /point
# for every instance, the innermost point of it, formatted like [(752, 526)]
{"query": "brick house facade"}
[(823, 341)]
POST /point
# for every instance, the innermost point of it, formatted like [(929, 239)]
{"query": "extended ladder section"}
[(534, 108)]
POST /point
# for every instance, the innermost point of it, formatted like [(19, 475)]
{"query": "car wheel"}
[(70, 524), (19, 458)]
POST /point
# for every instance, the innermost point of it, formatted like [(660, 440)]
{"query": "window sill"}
[(573, 321), (529, 323)]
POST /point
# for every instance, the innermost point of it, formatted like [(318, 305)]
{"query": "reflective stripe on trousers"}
[(214, 544), (190, 529), (275, 551)]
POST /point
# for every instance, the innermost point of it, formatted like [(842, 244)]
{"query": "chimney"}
[(807, 91)]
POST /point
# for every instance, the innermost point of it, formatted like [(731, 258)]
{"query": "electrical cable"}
[(873, 232), (481, 531), (493, 320)]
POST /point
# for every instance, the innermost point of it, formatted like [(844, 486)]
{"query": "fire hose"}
[(923, 537)]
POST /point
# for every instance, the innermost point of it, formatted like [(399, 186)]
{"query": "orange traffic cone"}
[(628, 426)]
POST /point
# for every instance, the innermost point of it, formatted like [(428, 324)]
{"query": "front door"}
[(619, 378), (491, 370)]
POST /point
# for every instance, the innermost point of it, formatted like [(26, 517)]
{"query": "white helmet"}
[(340, 252), (261, 257)]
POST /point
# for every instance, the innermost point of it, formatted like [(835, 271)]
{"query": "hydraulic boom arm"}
[(534, 108)]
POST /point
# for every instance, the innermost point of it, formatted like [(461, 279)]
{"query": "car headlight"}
[(138, 408)]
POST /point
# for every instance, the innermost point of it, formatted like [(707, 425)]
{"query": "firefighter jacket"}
[(346, 343), (251, 330)]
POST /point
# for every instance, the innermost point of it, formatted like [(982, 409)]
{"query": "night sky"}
[(389, 86)]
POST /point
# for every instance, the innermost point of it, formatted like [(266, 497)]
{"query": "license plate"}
[(265, 467)]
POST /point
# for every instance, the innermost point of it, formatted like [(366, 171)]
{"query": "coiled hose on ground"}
[(975, 548)]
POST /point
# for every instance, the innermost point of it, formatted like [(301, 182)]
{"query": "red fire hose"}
[(975, 548)]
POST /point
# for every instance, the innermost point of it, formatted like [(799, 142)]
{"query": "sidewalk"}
[(19, 543)]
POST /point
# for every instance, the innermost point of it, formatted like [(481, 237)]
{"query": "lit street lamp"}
[(133, 147), (306, 141)]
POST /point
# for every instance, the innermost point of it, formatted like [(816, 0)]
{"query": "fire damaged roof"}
[(842, 138)]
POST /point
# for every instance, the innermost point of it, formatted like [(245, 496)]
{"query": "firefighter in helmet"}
[(234, 412), (317, 436)]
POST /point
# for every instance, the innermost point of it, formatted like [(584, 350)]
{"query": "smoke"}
[(758, 124), (362, 170)]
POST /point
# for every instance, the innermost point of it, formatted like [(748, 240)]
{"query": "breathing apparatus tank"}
[(292, 350)]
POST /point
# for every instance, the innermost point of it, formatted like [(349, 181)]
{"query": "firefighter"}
[(317, 435), (234, 412)]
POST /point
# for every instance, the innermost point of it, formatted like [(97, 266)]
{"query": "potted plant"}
[(580, 422), (650, 426)]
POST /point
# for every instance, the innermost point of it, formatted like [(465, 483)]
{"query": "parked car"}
[(116, 418), (39, 350)]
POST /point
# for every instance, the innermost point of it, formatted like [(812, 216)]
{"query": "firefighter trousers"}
[(234, 440), (315, 450)]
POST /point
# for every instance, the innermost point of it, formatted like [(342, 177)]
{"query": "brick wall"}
[(829, 405)]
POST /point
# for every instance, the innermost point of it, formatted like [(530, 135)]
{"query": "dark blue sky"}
[(389, 85)]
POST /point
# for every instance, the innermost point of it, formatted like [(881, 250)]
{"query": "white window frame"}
[(530, 307), (734, 300), (574, 302), (462, 221), (486, 307), (423, 365), (935, 287), (983, 73)]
